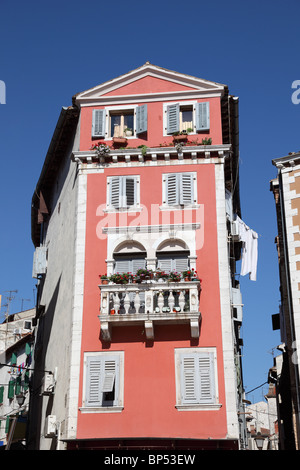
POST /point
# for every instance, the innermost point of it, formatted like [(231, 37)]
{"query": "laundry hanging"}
[(249, 250)]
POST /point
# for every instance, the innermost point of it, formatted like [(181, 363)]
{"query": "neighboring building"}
[(16, 342), (286, 190), (262, 422), (147, 364)]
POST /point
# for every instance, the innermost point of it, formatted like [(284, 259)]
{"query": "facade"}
[(140, 181), (286, 191), (16, 343)]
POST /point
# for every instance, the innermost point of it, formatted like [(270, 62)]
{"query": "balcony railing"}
[(148, 303)]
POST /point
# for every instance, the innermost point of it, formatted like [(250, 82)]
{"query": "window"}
[(168, 262), (104, 380), (123, 192), (179, 189), (196, 382), (187, 116), (119, 122)]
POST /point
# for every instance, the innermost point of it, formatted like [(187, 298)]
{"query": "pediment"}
[(148, 82)]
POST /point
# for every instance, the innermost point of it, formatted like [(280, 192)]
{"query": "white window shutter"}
[(109, 375), (197, 378), (138, 263), (123, 266), (98, 123), (181, 264), (115, 191), (205, 365), (172, 190), (189, 389), (93, 392), (202, 116), (173, 118), (165, 264), (141, 119), (186, 188)]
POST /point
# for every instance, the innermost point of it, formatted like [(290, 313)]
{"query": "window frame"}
[(195, 110), (137, 111), (165, 204), (123, 208), (212, 404), (118, 382)]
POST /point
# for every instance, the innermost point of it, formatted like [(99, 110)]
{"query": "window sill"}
[(178, 207), (199, 407), (123, 209), (102, 409)]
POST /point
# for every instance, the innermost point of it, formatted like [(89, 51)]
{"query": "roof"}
[(198, 84)]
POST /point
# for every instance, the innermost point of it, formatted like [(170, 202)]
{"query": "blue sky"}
[(51, 50)]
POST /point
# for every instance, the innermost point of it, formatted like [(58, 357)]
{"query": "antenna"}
[(27, 300)]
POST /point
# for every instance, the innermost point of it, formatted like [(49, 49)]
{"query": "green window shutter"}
[(13, 359), (27, 348), (26, 380), (18, 385), (7, 424), (98, 123), (173, 118), (11, 389), (1, 394), (202, 116), (141, 119)]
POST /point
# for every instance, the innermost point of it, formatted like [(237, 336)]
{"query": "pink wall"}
[(155, 123), (149, 368)]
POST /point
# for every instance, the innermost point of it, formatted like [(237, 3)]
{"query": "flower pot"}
[(120, 140), (112, 312), (180, 138), (187, 279), (104, 281)]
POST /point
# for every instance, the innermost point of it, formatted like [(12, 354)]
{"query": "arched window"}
[(129, 257), (173, 255)]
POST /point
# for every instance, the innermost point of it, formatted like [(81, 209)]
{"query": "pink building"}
[(140, 182)]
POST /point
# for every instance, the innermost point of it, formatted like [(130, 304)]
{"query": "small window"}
[(123, 192), (121, 124), (104, 380), (184, 117), (179, 189), (115, 122), (196, 377)]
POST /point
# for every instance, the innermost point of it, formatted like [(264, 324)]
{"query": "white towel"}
[(249, 250)]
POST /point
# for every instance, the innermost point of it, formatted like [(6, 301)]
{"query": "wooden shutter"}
[(114, 191), (206, 378), (98, 123), (141, 119), (138, 263), (129, 191), (202, 116), (186, 188), (197, 379), (173, 118), (123, 266), (172, 189), (93, 392), (181, 264), (102, 377), (165, 264)]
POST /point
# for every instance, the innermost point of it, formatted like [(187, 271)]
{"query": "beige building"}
[(286, 190)]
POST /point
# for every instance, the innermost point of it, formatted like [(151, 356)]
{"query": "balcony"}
[(149, 303)]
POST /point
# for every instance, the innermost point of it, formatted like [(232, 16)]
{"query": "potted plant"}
[(189, 274), (120, 140), (144, 275), (180, 136), (128, 132), (101, 148), (161, 275), (104, 279), (118, 278), (174, 276)]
